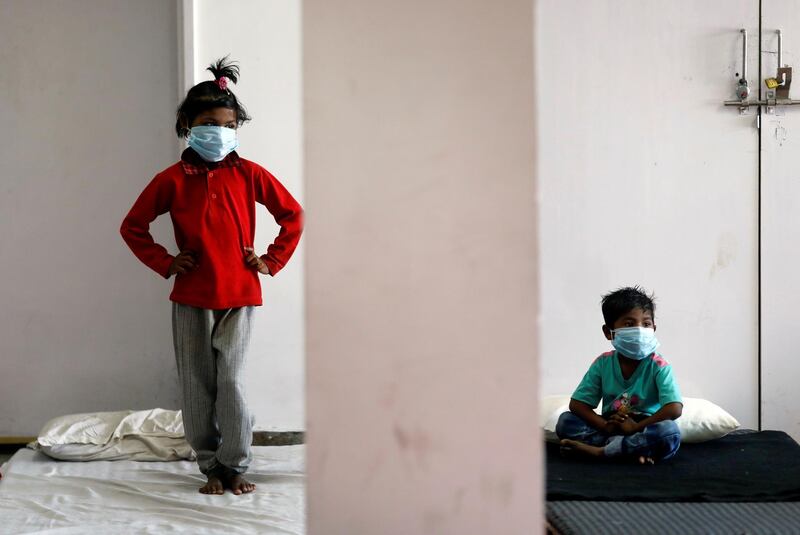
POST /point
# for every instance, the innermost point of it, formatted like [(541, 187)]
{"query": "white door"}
[(646, 178), (780, 229)]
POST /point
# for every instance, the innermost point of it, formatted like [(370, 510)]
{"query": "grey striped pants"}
[(210, 348)]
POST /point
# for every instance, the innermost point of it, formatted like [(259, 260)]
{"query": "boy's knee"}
[(567, 422), (668, 438), (666, 429)]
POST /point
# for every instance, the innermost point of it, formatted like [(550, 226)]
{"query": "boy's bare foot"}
[(239, 485), (214, 485), (573, 447)]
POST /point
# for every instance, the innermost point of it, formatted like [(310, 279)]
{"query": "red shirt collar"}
[(193, 164)]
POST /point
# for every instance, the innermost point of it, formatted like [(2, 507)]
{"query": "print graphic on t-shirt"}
[(625, 403)]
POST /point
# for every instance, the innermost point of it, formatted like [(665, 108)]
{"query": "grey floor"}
[(6, 451)]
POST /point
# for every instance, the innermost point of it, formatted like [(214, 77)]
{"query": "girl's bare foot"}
[(239, 485), (214, 485), (646, 460), (573, 447)]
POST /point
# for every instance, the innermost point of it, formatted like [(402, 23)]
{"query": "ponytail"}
[(211, 94)]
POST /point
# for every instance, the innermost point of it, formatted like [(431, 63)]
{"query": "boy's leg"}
[(573, 427), (230, 340), (197, 372), (658, 441)]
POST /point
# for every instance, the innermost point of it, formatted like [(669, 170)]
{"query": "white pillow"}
[(550, 408), (701, 420), (151, 435), (101, 427), (131, 448)]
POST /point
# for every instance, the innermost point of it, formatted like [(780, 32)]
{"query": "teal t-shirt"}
[(649, 388)]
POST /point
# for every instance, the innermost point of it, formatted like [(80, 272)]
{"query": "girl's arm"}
[(288, 215), (135, 229)]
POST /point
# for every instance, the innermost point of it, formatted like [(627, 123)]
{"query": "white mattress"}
[(40, 495)]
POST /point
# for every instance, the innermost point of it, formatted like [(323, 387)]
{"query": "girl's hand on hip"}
[(255, 262), (185, 262)]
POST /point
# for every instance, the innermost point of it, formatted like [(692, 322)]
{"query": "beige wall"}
[(421, 268), (87, 103)]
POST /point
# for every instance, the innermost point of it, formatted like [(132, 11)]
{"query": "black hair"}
[(623, 300), (209, 95)]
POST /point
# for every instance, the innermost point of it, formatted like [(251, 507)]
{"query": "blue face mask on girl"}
[(213, 143), (636, 343)]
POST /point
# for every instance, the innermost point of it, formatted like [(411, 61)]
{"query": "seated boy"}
[(640, 397)]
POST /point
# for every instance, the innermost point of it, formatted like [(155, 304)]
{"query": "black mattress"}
[(753, 467)]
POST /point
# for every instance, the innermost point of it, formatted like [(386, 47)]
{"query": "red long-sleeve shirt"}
[(213, 212)]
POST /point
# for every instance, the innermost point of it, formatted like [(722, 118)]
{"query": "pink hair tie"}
[(222, 82)]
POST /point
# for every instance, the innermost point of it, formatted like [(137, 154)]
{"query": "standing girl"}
[(210, 195)]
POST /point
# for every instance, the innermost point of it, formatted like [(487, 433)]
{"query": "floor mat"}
[(643, 518)]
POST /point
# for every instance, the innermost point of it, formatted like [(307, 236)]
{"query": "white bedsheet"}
[(41, 495)]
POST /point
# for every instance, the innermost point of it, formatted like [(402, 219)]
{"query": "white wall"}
[(648, 179), (87, 104), (421, 295), (263, 36), (780, 230)]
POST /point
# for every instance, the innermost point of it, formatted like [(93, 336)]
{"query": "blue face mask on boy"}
[(636, 343), (213, 143)]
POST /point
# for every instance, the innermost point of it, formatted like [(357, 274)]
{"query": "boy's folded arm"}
[(586, 412), (670, 411)]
